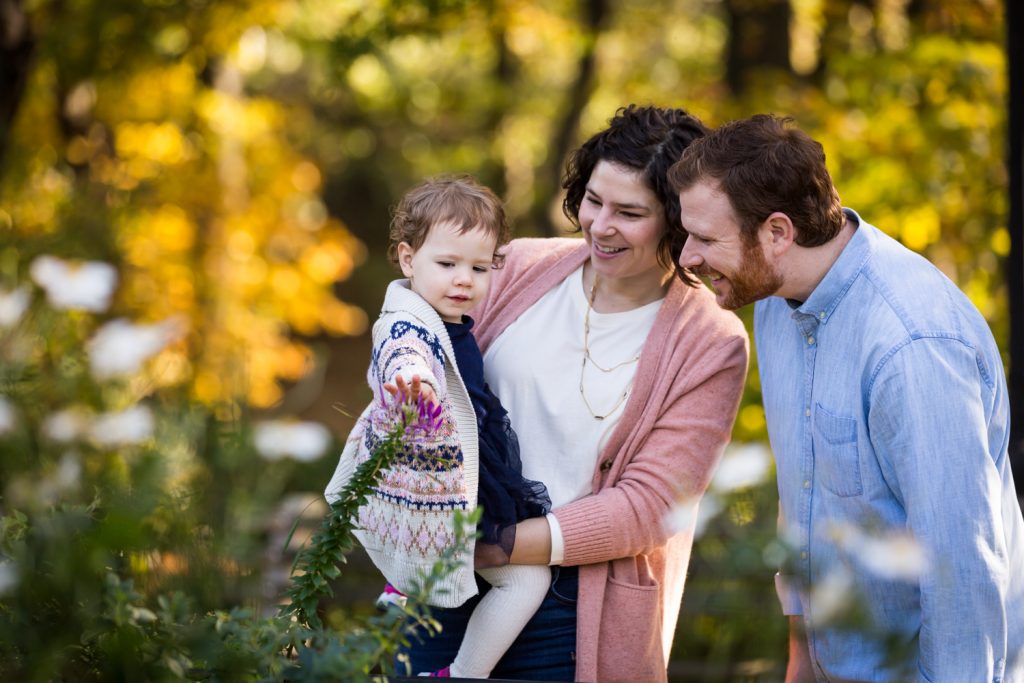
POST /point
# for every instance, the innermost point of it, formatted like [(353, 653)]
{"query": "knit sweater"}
[(674, 428), (409, 518)]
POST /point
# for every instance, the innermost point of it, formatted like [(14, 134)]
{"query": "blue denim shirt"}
[(887, 413)]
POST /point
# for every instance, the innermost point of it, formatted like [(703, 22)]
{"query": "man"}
[(887, 412)]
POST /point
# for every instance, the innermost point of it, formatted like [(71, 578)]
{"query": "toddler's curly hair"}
[(458, 200)]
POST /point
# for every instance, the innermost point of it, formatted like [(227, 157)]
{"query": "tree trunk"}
[(549, 178), (758, 38), (17, 45), (506, 71)]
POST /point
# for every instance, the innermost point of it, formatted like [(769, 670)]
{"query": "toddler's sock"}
[(440, 673), (390, 596)]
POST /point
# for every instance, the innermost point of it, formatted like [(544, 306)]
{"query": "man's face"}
[(737, 269)]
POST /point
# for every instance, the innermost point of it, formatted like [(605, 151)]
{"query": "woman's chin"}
[(609, 265)]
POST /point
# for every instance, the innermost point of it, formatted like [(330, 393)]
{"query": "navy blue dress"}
[(545, 650), (505, 496)]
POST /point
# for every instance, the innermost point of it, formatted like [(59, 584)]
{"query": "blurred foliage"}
[(137, 143), (133, 528), (236, 161)]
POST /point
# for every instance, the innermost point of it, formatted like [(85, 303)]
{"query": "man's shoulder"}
[(913, 289)]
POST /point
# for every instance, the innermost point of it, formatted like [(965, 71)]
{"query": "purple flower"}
[(418, 419)]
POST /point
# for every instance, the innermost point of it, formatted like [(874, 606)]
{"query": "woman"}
[(622, 378)]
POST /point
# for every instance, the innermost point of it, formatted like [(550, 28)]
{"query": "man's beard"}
[(753, 280)]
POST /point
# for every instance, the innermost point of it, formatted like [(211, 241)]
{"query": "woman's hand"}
[(402, 392)]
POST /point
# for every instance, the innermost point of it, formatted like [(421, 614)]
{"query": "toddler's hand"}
[(410, 392)]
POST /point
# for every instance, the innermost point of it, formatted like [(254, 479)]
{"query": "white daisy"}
[(693, 513), (66, 425), (13, 305), (121, 347), (122, 428), (742, 466), (77, 285), (303, 441)]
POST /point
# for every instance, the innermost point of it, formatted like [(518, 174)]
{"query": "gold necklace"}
[(587, 356)]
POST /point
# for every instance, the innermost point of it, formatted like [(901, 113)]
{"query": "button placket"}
[(808, 324)]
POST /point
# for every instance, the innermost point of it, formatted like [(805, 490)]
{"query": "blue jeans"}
[(544, 651)]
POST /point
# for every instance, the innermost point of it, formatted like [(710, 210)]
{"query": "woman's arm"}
[(673, 464), (533, 542)]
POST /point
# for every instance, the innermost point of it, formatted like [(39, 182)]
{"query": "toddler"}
[(445, 236)]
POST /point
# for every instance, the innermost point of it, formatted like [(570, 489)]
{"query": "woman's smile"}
[(623, 221)]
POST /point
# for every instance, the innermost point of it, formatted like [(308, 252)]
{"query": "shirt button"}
[(807, 412), (803, 555), (821, 316), (807, 483), (810, 340)]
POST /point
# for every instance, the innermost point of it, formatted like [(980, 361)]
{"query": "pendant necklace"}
[(588, 357)]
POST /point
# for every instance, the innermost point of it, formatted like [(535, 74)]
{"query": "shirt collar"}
[(837, 281)]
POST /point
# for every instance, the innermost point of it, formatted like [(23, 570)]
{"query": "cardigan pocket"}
[(630, 647)]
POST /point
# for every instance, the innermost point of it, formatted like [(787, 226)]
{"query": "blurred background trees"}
[(236, 161)]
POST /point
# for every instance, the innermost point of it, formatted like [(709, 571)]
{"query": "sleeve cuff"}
[(789, 597), (557, 542)]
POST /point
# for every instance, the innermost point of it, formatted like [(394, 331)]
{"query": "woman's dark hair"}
[(648, 140)]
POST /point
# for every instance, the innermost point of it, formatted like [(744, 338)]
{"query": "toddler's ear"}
[(405, 254)]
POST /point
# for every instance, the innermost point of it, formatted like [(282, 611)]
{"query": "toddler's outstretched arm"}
[(402, 391)]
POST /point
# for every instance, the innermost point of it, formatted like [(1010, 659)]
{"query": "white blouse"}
[(534, 367)]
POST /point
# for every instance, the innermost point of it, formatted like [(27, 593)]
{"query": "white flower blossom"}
[(831, 596), (86, 285), (121, 347), (693, 513), (65, 478), (895, 556), (122, 428), (742, 466), (13, 305), (8, 416), (8, 577), (69, 472), (898, 557), (66, 425), (303, 441)]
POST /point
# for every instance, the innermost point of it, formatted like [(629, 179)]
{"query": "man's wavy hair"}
[(648, 140), (763, 165), (459, 200)]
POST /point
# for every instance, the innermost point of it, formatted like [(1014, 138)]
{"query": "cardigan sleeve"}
[(404, 350), (533, 265), (672, 463)]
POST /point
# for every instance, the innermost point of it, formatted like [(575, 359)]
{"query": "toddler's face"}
[(451, 271)]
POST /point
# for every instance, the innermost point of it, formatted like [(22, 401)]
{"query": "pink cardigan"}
[(674, 428)]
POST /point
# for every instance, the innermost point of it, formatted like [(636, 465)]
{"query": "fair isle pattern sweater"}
[(409, 519), (674, 427)]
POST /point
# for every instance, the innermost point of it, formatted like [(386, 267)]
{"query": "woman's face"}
[(623, 222)]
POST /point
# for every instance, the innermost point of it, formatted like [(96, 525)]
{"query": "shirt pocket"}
[(836, 459)]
